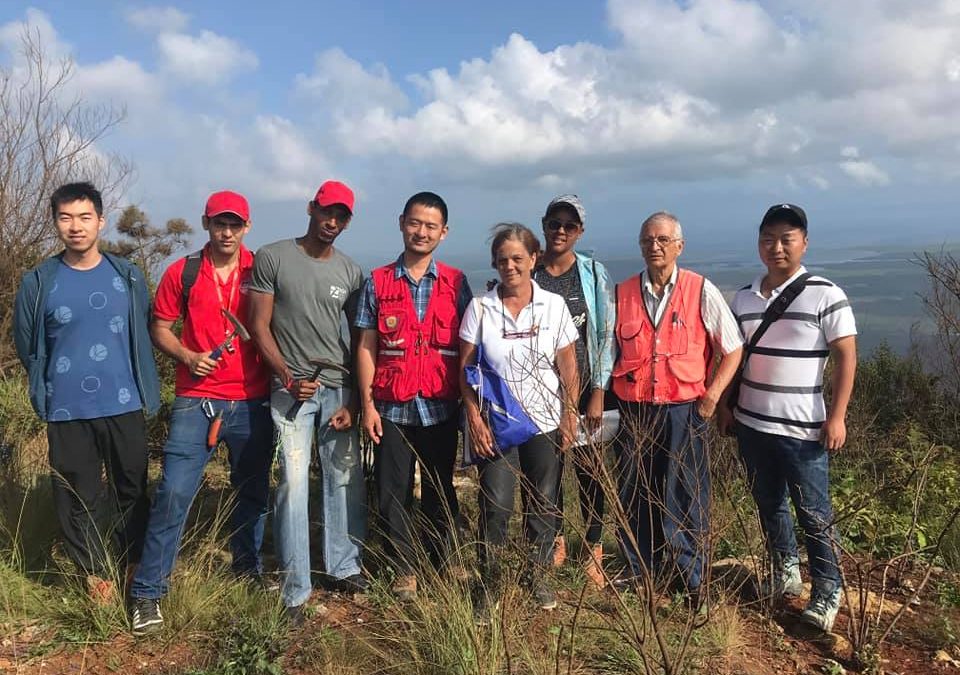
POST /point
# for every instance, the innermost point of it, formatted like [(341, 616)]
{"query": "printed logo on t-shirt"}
[(580, 319), (338, 292)]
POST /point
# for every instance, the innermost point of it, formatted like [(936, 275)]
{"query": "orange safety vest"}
[(666, 363), (414, 356)]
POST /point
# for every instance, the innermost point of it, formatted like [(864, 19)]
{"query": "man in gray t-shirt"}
[(301, 290)]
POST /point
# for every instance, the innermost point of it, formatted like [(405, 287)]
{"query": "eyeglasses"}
[(530, 332), (568, 226), (662, 241)]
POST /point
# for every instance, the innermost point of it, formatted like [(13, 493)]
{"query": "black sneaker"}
[(355, 583), (145, 616), (296, 616), (544, 595)]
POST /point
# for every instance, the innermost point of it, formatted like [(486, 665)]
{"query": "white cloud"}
[(157, 19), (819, 182), (865, 173), (205, 59), (341, 83), (118, 79), (694, 90)]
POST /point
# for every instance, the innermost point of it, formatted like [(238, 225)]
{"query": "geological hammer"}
[(238, 331), (319, 365)]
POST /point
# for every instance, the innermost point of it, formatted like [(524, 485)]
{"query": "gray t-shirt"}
[(310, 297)]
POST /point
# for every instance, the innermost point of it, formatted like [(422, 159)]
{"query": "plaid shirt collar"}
[(402, 271)]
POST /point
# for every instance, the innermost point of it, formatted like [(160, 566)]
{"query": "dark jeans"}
[(779, 467), (248, 432), (89, 515), (401, 447), (588, 465), (663, 473), (537, 463)]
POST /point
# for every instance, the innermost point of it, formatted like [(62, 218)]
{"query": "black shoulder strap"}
[(776, 310), (772, 313), (188, 276)]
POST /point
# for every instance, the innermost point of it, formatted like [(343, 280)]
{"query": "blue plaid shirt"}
[(420, 411)]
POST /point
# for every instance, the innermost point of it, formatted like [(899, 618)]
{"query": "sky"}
[(710, 109)]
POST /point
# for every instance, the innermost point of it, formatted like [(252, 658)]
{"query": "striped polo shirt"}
[(782, 388)]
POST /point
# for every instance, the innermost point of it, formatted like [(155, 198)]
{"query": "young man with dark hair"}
[(784, 429), (222, 392), (408, 377), (80, 329), (302, 289)]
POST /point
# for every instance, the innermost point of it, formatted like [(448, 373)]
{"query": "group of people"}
[(265, 366)]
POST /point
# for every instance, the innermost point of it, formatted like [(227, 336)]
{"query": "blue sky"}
[(712, 109)]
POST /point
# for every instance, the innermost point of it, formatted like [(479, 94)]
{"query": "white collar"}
[(492, 299), (756, 286), (648, 286)]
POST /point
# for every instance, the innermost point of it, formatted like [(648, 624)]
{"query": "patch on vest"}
[(391, 322)]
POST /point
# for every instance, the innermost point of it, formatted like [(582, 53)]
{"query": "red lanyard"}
[(234, 285)]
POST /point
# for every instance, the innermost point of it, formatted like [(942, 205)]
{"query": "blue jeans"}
[(247, 431), (663, 472), (779, 467), (344, 500)]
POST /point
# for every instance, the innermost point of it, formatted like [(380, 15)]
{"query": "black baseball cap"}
[(785, 213)]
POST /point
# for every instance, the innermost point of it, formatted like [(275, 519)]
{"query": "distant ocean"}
[(884, 287)]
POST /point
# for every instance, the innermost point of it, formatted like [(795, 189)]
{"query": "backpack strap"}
[(773, 312), (189, 274)]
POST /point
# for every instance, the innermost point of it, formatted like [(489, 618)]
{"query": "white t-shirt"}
[(523, 351), (782, 388)]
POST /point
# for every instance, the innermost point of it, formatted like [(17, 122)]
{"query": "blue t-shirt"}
[(89, 372)]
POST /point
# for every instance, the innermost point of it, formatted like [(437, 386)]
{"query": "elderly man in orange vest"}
[(670, 322)]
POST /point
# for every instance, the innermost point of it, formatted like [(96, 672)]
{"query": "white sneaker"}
[(822, 609), (784, 580)]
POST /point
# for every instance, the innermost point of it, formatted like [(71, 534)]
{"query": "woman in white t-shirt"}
[(527, 336)]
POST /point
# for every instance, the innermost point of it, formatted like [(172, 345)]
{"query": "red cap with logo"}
[(227, 202), (334, 192)]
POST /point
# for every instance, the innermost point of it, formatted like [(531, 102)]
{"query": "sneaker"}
[(544, 595), (355, 583), (784, 580), (625, 582), (559, 551), (145, 616), (296, 616), (593, 567), (822, 609), (405, 588)]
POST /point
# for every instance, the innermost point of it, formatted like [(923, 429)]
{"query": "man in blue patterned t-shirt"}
[(81, 332)]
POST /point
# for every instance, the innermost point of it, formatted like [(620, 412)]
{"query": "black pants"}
[(588, 465), (537, 463), (435, 447), (91, 514)]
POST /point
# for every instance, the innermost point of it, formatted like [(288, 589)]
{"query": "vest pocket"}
[(688, 368), (444, 334), (629, 338), (390, 325)]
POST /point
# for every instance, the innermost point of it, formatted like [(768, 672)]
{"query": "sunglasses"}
[(567, 226)]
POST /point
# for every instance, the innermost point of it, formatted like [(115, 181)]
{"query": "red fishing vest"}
[(667, 363), (413, 356)]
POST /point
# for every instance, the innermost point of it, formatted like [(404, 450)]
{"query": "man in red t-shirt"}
[(232, 388)]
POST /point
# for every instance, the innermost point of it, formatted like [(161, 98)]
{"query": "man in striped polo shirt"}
[(784, 429)]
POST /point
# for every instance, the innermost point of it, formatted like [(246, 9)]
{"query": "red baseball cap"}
[(227, 202), (334, 192)]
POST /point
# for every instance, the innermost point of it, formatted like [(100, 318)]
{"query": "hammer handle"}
[(295, 408)]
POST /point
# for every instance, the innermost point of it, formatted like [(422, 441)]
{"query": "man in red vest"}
[(407, 372), (669, 322)]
